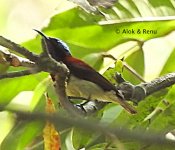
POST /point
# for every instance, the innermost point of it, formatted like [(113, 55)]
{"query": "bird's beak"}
[(40, 33), (45, 40)]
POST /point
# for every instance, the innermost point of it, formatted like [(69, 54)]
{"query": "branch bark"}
[(17, 74), (136, 93), (159, 83), (17, 48), (15, 60), (61, 93)]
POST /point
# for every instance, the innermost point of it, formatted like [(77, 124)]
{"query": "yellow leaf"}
[(50, 134)]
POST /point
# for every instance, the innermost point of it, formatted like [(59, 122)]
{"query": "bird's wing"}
[(83, 71)]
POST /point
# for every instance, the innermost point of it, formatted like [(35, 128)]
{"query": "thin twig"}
[(17, 74), (17, 48), (135, 73), (15, 60), (126, 66)]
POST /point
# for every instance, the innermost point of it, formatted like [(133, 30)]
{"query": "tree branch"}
[(159, 83), (95, 126), (141, 91), (17, 74), (19, 49), (15, 60), (61, 93)]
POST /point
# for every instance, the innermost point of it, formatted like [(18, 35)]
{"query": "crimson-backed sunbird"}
[(83, 80)]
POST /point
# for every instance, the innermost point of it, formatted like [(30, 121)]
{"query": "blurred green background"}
[(89, 37), (19, 17)]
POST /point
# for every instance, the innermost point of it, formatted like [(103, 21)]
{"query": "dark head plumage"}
[(56, 47)]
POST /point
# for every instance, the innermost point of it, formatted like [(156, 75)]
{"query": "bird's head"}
[(56, 47)]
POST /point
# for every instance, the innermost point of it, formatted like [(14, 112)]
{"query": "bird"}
[(83, 81)]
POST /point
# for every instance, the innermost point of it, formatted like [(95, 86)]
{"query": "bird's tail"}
[(123, 103), (127, 106)]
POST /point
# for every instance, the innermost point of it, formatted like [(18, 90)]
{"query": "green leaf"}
[(99, 146), (11, 87), (39, 92), (22, 134), (167, 117), (144, 108), (18, 102), (102, 38), (69, 142), (109, 111), (7, 123), (136, 61), (80, 138), (85, 35), (134, 8), (95, 60), (110, 73), (164, 104), (169, 65)]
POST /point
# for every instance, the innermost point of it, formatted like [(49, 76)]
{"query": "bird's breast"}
[(86, 89)]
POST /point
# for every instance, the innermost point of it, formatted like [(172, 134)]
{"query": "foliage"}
[(90, 36)]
